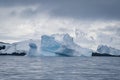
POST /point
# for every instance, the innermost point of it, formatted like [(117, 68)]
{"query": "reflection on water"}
[(59, 68)]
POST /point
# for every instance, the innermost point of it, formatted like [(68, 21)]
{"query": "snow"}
[(109, 50), (19, 46)]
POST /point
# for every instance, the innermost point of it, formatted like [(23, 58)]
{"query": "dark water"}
[(59, 68)]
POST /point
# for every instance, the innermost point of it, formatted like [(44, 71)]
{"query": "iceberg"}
[(108, 50), (53, 45), (65, 47)]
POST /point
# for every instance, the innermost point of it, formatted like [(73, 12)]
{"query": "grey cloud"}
[(64, 30), (115, 30), (33, 12), (9, 3), (79, 9), (8, 37), (85, 9), (13, 13), (26, 13)]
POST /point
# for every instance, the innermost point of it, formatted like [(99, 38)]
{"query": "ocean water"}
[(59, 68)]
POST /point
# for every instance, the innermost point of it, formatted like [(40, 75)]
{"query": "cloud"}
[(85, 9), (115, 30), (79, 9)]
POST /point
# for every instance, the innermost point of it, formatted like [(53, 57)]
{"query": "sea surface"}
[(59, 68)]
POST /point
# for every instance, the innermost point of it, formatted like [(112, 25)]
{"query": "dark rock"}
[(104, 54), (13, 54), (2, 47)]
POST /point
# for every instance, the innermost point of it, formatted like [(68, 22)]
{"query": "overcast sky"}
[(97, 20)]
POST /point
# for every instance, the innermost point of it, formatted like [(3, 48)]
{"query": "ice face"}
[(49, 45), (33, 49), (65, 51)]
